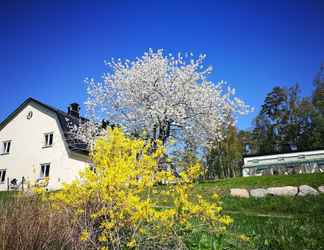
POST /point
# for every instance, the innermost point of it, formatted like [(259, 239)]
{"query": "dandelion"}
[(243, 237)]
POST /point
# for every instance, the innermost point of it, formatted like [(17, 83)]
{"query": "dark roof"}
[(67, 122)]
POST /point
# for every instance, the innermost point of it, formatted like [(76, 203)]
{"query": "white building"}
[(288, 163), (36, 142)]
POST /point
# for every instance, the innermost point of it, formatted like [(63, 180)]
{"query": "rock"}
[(307, 190), (240, 192), (283, 191), (321, 189), (258, 192)]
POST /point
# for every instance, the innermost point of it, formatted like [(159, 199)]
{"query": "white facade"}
[(297, 162), (26, 132)]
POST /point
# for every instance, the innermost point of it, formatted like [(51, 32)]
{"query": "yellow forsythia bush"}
[(118, 206)]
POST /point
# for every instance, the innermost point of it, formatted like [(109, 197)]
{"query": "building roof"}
[(66, 121), (285, 158)]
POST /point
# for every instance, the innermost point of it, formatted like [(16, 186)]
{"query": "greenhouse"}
[(288, 163)]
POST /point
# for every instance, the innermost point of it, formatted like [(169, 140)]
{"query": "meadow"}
[(265, 223), (272, 222)]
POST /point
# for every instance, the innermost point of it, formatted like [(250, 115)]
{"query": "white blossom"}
[(165, 95)]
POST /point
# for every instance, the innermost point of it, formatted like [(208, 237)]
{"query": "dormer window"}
[(6, 147), (48, 140)]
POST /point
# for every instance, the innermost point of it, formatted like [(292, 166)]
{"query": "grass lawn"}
[(5, 196), (297, 232), (271, 222), (313, 180)]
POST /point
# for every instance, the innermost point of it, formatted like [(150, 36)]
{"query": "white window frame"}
[(3, 173), (5, 149), (47, 139), (47, 166)]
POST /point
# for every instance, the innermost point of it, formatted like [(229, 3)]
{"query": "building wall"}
[(27, 151), (290, 163), (283, 158)]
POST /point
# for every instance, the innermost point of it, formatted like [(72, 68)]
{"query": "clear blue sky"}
[(47, 48)]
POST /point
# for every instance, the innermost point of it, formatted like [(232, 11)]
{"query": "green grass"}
[(5, 196), (271, 223), (300, 232), (285, 206), (277, 222), (281, 223), (313, 180)]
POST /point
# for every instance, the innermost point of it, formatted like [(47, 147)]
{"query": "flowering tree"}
[(164, 96), (120, 205)]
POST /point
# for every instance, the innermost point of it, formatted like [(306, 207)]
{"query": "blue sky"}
[(47, 48)]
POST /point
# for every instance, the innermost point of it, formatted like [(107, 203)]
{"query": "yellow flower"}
[(123, 195), (102, 238), (132, 243), (84, 235), (243, 237), (226, 220), (215, 196)]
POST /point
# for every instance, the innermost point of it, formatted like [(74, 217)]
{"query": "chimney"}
[(74, 110)]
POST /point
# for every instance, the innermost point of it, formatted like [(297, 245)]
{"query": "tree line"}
[(287, 122)]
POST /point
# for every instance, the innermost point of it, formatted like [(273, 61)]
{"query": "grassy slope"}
[(281, 206), (4, 196), (272, 205), (272, 222), (272, 233), (313, 180)]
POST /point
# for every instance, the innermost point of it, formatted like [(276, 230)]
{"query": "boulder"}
[(307, 190), (283, 191), (321, 189), (258, 192), (240, 192)]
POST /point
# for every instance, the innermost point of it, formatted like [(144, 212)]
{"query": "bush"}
[(30, 223), (113, 207)]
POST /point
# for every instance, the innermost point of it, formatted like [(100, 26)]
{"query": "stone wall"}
[(302, 190)]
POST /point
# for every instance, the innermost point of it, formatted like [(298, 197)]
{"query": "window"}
[(6, 147), (45, 168), (259, 171), (2, 175), (254, 161), (48, 140)]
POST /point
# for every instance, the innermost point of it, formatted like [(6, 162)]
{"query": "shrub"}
[(113, 207), (27, 222)]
